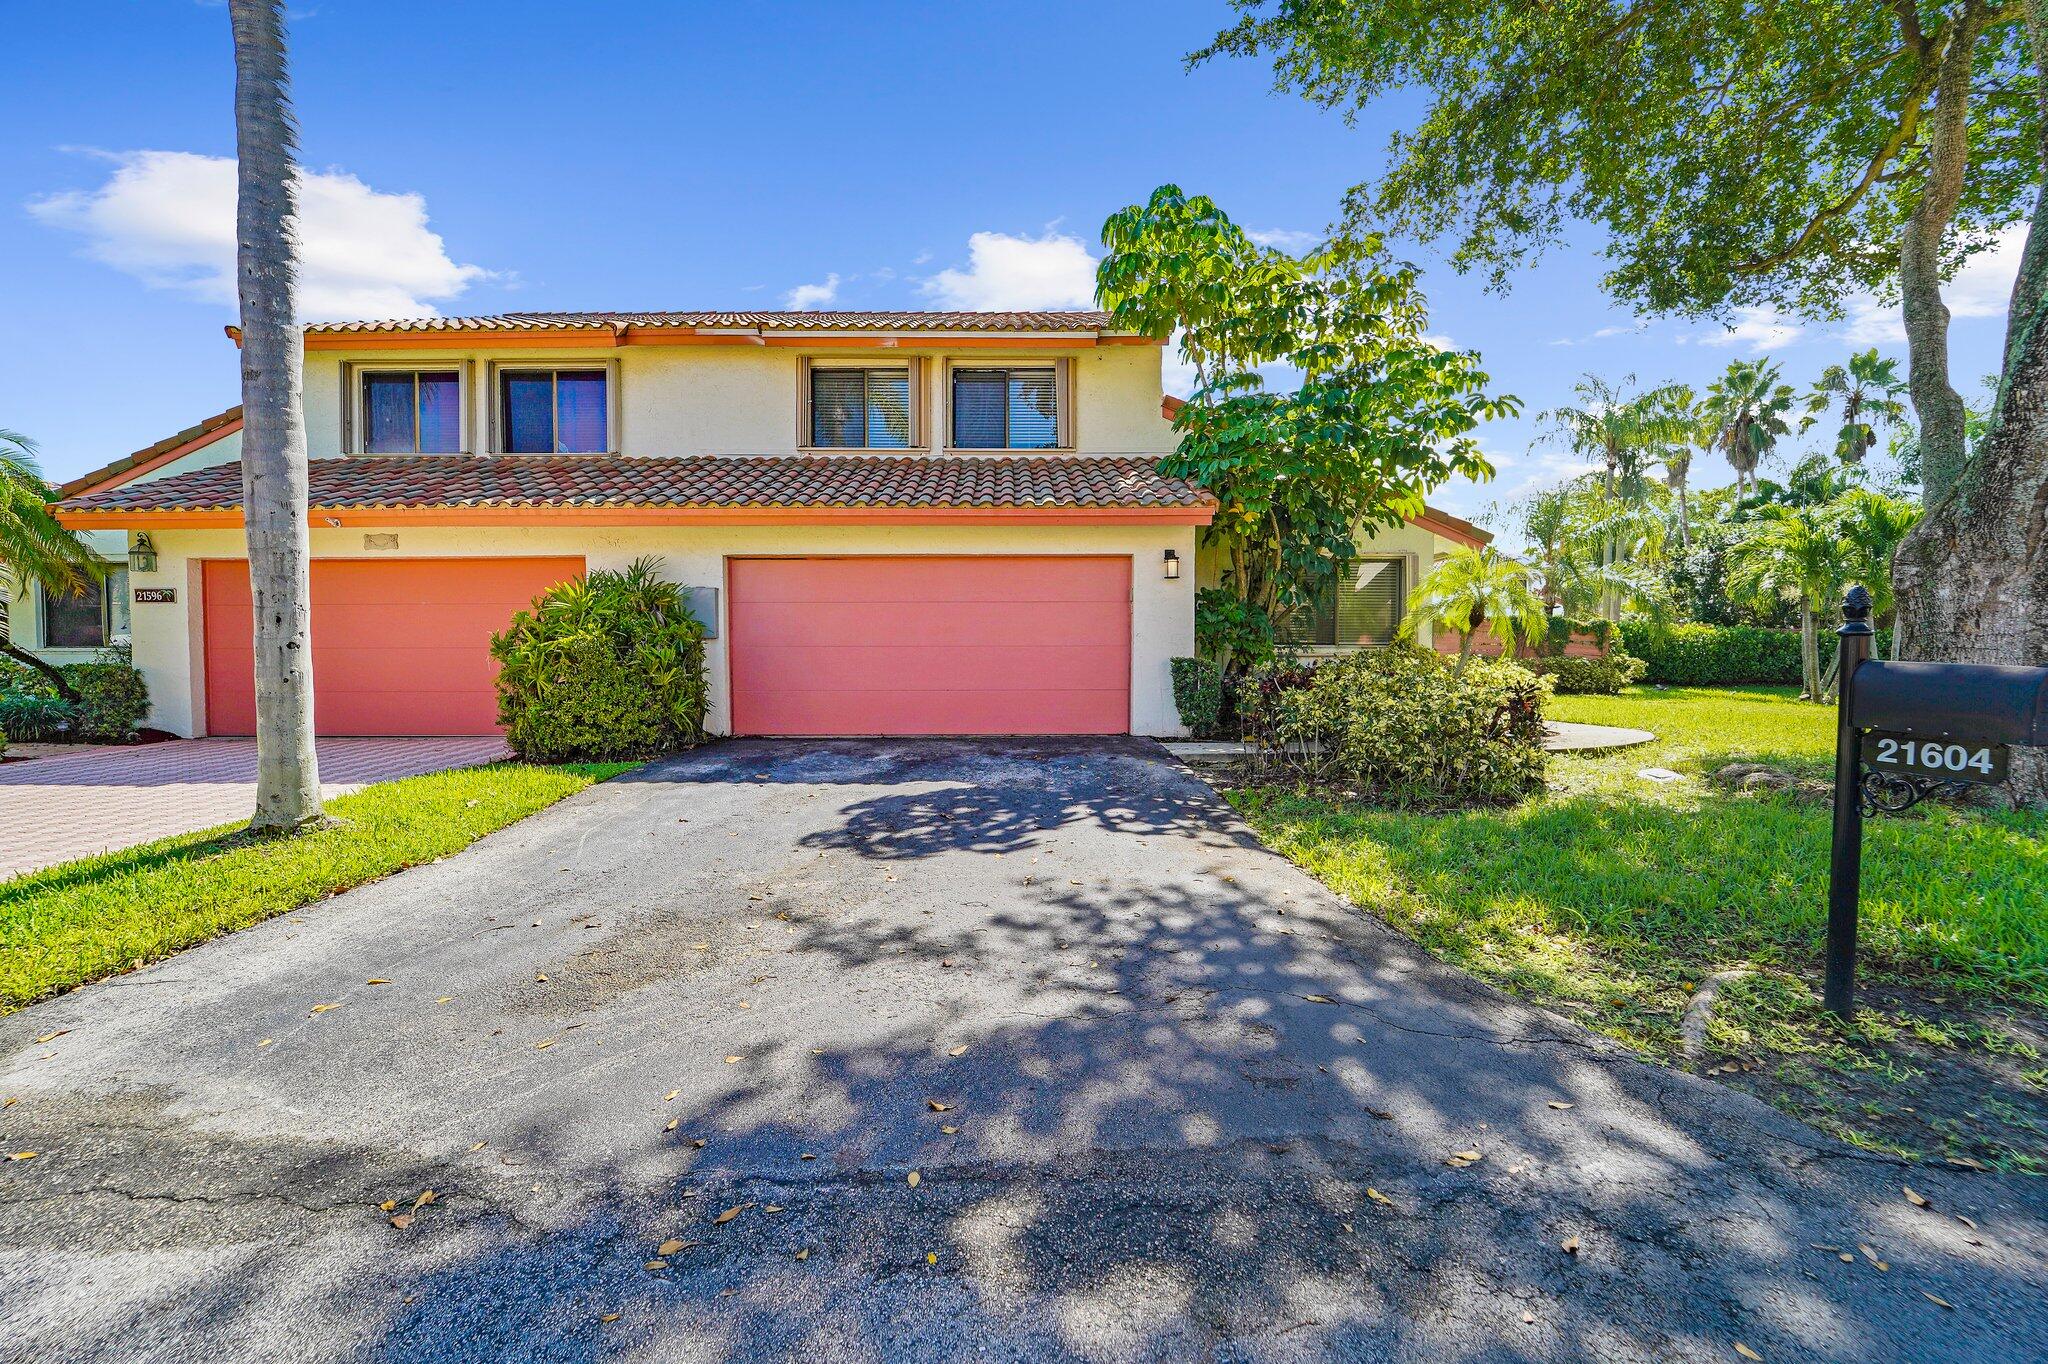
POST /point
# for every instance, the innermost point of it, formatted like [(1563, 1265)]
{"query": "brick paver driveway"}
[(58, 808)]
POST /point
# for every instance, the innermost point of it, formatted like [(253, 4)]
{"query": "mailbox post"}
[(1904, 732)]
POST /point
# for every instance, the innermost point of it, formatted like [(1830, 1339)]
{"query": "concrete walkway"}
[(1019, 1052), (58, 808)]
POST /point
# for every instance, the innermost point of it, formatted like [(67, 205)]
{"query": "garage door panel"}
[(995, 645), (938, 667), (400, 646), (1096, 623)]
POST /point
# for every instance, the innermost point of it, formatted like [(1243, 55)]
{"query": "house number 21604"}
[(1944, 758)]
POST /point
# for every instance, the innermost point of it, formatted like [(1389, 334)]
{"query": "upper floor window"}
[(90, 618), (1360, 604), (554, 411), (860, 409), (1013, 408), (411, 411)]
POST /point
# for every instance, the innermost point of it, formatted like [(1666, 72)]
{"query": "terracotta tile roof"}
[(360, 481), (1045, 320), (192, 435)]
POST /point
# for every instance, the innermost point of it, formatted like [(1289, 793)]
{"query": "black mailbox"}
[(1994, 705)]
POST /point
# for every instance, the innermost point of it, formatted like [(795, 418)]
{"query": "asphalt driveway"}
[(923, 1051)]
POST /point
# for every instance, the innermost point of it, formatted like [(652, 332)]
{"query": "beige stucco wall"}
[(1421, 548), (742, 400), (167, 639)]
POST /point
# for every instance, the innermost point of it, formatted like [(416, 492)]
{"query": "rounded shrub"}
[(112, 699), (1198, 695), (1604, 674), (607, 666), (1403, 726), (35, 718)]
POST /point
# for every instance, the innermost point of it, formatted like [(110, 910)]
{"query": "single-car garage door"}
[(1013, 645), (400, 646)]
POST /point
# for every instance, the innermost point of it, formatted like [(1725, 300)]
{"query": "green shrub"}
[(112, 699), (35, 719), (603, 667), (1198, 695), (1605, 675), (1712, 655), (1230, 631), (1558, 631), (1399, 726)]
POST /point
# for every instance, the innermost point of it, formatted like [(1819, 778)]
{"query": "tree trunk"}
[(274, 492), (1971, 580), (1940, 408), (29, 660), (1809, 652), (1684, 525)]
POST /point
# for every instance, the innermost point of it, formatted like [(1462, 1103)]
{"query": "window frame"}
[(494, 402), (1063, 405), (354, 419), (1403, 563), (114, 585), (911, 365)]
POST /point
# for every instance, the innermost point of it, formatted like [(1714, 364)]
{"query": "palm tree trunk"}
[(1684, 525), (1809, 651), (50, 673), (274, 492)]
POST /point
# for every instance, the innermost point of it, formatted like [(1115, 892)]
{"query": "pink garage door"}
[(400, 646), (930, 645)]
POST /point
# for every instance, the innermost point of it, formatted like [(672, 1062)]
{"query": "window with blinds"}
[(410, 412), (860, 409), (554, 411), (1006, 409), (1360, 605)]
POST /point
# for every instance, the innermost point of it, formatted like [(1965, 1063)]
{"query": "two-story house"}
[(891, 523)]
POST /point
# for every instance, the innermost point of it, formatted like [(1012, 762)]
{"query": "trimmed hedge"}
[(1603, 676), (1198, 695), (1690, 655)]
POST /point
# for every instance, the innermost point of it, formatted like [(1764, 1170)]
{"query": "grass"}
[(1613, 896), (79, 921)]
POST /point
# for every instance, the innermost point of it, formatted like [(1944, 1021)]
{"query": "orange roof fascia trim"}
[(1451, 527), (611, 338), (109, 518)]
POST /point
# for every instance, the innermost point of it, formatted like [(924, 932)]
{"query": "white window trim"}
[(919, 440), (352, 372), (1063, 399), (495, 370), (115, 583)]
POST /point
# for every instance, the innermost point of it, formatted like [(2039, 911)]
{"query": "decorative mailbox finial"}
[(1856, 606)]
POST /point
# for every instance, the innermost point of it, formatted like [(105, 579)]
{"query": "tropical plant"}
[(610, 665), (1624, 431), (34, 549), (1873, 526), (1381, 415), (1870, 393), (1476, 586), (274, 474), (1798, 554), (1747, 406)]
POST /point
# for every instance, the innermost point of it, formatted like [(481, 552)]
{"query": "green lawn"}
[(73, 923), (1613, 896)]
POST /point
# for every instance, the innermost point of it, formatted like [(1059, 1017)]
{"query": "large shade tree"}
[(274, 474), (1746, 153), (1380, 416)]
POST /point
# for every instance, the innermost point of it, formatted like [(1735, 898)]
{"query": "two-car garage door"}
[(859, 645)]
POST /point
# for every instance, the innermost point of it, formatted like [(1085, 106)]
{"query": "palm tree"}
[(1622, 431), (1868, 388), (1798, 554), (1694, 427), (1873, 525), (274, 475), (1473, 587), (1748, 407), (34, 549)]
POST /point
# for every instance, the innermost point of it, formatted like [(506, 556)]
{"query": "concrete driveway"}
[(923, 1051), (99, 798)]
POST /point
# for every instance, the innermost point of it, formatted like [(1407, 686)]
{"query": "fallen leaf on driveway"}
[(655, 1264), (1319, 999), (958, 1051), (51, 1036), (1871, 1256), (1460, 1159), (1570, 1245), (1376, 1196), (915, 1179), (771, 1207), (668, 1247), (402, 1221), (23, 1155), (1746, 1352), (425, 1198), (1559, 1104), (673, 1123), (670, 1097), (808, 1155), (938, 1107), (734, 1060), (931, 1257), (376, 980), (949, 1130), (1938, 1302), (609, 1317), (388, 1205), (697, 1143), (445, 999), (323, 1008), (804, 1254), (1915, 1199), (544, 1044), (727, 1215), (1959, 1217), (479, 1146), (266, 1042)]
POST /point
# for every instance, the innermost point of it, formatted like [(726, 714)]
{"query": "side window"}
[(1013, 408), (76, 620), (554, 411), (859, 409), (1361, 604), (410, 412)]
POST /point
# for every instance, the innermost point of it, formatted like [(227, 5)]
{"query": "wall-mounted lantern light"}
[(142, 555), (1172, 565)]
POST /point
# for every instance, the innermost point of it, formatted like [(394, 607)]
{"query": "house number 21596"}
[(1944, 758)]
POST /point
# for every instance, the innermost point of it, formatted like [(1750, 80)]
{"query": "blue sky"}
[(481, 157)]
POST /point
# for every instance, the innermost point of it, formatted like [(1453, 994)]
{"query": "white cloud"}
[(1286, 239), (1439, 340), (1759, 329), (1982, 288), (1052, 271), (807, 296), (168, 219), (1177, 372)]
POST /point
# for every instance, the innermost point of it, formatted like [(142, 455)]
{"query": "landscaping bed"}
[(63, 926), (1612, 897)]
